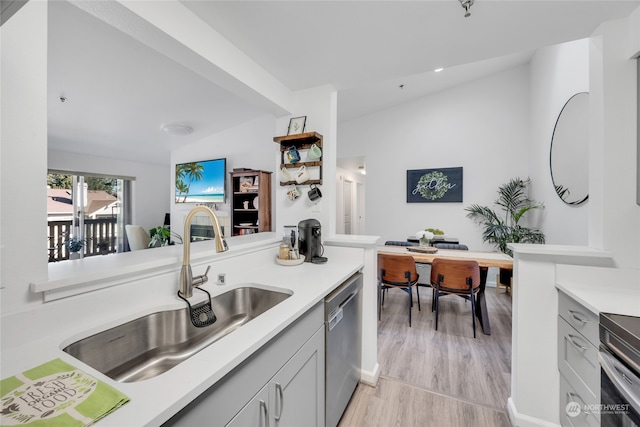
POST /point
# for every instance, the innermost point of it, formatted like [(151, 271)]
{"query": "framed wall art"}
[(296, 125), (434, 185)]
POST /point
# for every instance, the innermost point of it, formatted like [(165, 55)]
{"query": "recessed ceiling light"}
[(437, 70), (180, 130)]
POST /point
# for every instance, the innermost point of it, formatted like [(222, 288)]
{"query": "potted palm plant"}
[(501, 229)]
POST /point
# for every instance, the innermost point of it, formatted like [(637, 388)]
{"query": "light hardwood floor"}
[(437, 378)]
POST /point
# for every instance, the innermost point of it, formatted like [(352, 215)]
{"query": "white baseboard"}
[(370, 377), (521, 420)]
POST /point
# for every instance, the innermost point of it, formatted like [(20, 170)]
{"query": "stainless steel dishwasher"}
[(343, 349)]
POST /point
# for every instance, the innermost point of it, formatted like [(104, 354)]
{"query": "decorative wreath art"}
[(441, 185), (433, 186)]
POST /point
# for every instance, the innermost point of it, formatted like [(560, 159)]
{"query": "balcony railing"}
[(100, 238)]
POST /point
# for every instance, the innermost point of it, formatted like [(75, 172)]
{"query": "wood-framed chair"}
[(396, 271), (448, 246), (504, 279), (457, 277)]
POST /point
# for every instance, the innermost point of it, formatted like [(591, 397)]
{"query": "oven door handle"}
[(625, 381)]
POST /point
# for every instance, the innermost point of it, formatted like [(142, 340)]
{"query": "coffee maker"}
[(310, 241)]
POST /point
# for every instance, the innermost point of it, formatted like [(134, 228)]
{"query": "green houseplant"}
[(506, 228), (74, 245), (161, 236)]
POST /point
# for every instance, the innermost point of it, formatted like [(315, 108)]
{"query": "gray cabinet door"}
[(294, 396), (296, 392), (255, 413)]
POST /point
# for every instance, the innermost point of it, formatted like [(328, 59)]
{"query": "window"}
[(86, 209)]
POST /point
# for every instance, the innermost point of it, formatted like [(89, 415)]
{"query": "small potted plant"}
[(74, 246), (424, 237), (103, 246)]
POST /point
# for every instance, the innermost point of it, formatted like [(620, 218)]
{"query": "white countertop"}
[(351, 240), (36, 336), (601, 290)]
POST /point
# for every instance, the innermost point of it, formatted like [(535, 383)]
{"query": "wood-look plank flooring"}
[(437, 378)]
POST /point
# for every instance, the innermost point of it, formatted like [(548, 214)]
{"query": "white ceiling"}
[(119, 92)]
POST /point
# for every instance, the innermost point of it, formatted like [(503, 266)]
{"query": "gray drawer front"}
[(583, 320), (577, 419), (578, 362)]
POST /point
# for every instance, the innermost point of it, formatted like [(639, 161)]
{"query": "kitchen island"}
[(37, 335)]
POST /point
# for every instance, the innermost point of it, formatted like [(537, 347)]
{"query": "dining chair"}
[(454, 246), (396, 271), (450, 246), (402, 243), (504, 279), (397, 243), (459, 277)]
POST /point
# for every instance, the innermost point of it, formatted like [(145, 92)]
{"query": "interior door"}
[(347, 205), (360, 208)]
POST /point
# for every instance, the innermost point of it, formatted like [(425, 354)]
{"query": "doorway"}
[(350, 196), (348, 205)]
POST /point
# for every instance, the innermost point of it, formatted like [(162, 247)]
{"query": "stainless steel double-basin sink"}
[(150, 345)]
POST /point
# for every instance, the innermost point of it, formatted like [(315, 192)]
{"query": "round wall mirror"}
[(569, 156)]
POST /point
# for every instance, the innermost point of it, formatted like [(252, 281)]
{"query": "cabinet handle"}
[(575, 316), (279, 390), (575, 397), (573, 338), (265, 411)]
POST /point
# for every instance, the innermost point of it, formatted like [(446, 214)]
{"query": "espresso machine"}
[(310, 241)]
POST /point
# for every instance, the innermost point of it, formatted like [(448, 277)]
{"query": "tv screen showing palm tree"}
[(201, 182)]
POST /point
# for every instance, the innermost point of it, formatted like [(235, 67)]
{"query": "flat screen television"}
[(201, 182)]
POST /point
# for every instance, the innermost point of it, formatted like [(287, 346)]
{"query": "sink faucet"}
[(187, 280)]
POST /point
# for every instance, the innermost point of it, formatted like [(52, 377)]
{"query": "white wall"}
[(150, 188), (320, 106), (613, 221), (614, 216), (23, 161), (557, 73), (482, 126), (24, 144), (249, 146)]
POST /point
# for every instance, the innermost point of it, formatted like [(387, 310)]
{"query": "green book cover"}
[(56, 394)]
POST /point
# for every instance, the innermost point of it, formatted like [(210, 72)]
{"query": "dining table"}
[(484, 259)]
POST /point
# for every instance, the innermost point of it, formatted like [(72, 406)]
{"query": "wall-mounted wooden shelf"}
[(302, 141)]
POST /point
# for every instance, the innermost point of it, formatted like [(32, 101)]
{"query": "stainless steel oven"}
[(619, 370)]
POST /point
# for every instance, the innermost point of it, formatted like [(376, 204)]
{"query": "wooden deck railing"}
[(100, 238)]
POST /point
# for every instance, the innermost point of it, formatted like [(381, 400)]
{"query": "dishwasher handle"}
[(349, 298), (336, 315)]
